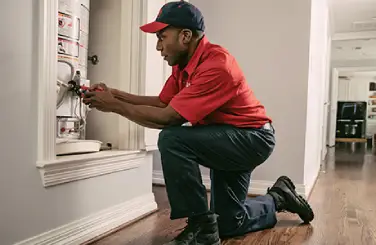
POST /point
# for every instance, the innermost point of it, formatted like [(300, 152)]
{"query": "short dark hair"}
[(196, 33)]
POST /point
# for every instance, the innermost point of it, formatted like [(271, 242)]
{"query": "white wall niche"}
[(127, 61)]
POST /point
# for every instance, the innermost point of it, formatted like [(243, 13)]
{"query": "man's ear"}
[(187, 36)]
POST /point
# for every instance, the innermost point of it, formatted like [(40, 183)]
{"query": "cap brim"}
[(153, 27)]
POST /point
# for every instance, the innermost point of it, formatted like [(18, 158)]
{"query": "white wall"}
[(318, 75), (272, 46), (26, 207), (354, 89)]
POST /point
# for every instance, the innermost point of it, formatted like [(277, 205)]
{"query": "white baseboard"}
[(257, 187), (96, 225)]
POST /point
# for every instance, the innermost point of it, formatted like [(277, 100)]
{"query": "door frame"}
[(332, 118), (326, 98)]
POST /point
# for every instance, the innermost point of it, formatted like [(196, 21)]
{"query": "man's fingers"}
[(89, 94), (86, 101), (95, 86), (90, 103), (100, 86), (89, 100)]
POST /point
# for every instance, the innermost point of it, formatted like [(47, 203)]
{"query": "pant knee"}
[(167, 138)]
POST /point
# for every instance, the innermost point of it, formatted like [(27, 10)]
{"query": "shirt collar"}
[(193, 62)]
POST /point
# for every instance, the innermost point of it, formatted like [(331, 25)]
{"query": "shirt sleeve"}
[(208, 91), (169, 90)]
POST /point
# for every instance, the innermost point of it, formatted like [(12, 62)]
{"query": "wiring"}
[(80, 116), (62, 90), (63, 87)]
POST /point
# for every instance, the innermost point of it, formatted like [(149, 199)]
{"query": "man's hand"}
[(148, 116), (129, 98), (101, 100)]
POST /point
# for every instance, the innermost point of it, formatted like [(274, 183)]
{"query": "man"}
[(208, 116)]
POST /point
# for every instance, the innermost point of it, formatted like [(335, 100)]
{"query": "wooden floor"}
[(344, 201)]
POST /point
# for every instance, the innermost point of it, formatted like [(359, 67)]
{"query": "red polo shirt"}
[(212, 89)]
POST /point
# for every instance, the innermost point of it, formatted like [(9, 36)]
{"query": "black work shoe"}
[(202, 230), (286, 199)]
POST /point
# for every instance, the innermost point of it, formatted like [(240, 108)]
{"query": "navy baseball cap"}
[(179, 14)]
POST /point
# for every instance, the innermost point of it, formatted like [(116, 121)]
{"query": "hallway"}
[(343, 200)]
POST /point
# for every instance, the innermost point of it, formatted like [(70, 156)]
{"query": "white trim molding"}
[(155, 71), (73, 168), (355, 69), (47, 74), (133, 58), (96, 225), (257, 187), (354, 35)]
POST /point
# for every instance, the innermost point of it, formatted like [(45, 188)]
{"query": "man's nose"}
[(159, 46)]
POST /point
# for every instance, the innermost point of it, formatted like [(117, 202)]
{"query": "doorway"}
[(351, 84)]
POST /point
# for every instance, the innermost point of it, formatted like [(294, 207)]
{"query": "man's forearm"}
[(149, 124), (147, 116), (137, 99)]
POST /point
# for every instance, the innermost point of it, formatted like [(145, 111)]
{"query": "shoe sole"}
[(306, 218)]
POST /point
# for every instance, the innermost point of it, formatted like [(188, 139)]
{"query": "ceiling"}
[(353, 15), (354, 49), (349, 16)]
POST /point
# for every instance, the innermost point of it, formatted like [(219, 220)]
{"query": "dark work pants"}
[(231, 154)]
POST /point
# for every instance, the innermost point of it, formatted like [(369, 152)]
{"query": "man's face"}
[(173, 45)]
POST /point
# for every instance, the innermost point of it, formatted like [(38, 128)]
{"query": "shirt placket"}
[(184, 79)]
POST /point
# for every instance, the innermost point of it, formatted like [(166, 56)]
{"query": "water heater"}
[(72, 57), (73, 37)]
